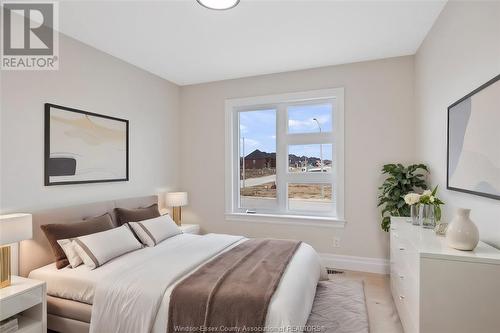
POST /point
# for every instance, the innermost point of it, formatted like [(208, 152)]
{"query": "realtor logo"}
[(29, 38)]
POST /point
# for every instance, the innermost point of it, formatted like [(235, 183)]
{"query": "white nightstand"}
[(27, 299), (190, 229)]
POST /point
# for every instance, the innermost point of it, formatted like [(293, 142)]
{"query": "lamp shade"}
[(15, 228), (177, 199)]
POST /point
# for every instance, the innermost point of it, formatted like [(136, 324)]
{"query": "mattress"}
[(78, 284)]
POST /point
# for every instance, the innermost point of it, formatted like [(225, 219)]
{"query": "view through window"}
[(258, 159), (302, 173)]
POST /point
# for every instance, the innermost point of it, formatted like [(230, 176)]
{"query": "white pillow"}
[(153, 231), (99, 248), (68, 247)]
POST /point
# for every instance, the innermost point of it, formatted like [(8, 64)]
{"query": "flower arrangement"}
[(429, 198), (430, 202)]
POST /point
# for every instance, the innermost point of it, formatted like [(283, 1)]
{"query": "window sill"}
[(310, 221)]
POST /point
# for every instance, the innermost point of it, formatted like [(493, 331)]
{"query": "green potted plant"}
[(401, 180)]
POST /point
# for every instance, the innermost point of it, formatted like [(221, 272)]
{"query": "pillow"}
[(68, 247), (99, 248), (54, 232), (153, 231), (124, 215)]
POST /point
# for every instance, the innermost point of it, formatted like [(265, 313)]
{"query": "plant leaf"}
[(400, 181)]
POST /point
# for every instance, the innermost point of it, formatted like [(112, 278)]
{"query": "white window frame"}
[(283, 140)]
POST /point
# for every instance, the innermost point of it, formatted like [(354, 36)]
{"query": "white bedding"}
[(290, 305)]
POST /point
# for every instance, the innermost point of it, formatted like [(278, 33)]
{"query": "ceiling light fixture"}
[(219, 4)]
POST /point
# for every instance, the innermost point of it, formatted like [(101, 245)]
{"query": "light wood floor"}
[(382, 313)]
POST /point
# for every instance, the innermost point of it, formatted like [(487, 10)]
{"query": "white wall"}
[(460, 53), (90, 80), (182, 146), (379, 129)]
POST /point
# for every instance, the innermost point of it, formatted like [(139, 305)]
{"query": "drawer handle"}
[(401, 277), (401, 297), (402, 249)]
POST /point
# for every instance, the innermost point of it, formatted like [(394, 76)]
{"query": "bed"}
[(78, 296)]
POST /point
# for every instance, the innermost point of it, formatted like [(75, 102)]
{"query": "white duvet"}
[(131, 293)]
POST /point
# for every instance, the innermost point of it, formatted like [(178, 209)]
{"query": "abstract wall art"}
[(474, 142), (84, 147)]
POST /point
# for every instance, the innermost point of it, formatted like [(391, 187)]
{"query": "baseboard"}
[(351, 263)]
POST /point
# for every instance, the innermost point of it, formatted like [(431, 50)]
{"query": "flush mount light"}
[(218, 4)]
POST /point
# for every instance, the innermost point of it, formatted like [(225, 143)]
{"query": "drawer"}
[(394, 238), (406, 282), (394, 280), (403, 304), (400, 302), (13, 305), (410, 289), (404, 254), (396, 249)]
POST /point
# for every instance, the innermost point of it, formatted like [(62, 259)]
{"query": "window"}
[(257, 137), (284, 155)]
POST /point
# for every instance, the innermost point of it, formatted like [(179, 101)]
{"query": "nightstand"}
[(190, 228), (27, 299)]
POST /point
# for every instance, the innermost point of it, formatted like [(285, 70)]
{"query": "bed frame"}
[(66, 316)]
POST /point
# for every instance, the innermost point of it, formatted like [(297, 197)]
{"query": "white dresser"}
[(441, 290)]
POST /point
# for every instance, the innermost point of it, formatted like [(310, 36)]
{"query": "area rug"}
[(339, 307)]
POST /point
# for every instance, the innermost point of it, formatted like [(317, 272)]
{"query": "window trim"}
[(234, 106), (301, 220)]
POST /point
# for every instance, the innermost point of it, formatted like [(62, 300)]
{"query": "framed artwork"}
[(474, 142), (83, 147)]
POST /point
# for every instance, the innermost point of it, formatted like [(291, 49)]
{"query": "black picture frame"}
[(448, 186), (47, 182)]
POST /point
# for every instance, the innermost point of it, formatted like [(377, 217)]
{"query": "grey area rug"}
[(339, 307)]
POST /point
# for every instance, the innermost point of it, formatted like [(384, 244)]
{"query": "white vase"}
[(462, 233)]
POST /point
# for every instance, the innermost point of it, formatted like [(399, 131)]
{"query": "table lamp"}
[(13, 228), (176, 200)]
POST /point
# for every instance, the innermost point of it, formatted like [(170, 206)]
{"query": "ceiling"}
[(186, 43)]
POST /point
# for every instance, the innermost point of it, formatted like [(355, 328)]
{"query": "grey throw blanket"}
[(232, 292)]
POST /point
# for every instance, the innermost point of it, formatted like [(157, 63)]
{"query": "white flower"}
[(427, 192), (412, 199)]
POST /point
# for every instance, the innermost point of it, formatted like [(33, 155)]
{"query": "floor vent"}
[(333, 271)]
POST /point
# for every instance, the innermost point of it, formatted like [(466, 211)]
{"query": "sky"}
[(259, 129)]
